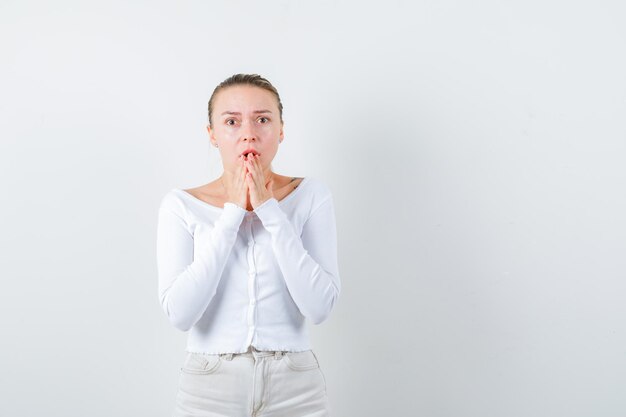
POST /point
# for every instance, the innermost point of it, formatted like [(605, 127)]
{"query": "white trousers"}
[(252, 384)]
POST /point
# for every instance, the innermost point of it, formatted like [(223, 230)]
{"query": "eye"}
[(264, 118), (230, 120)]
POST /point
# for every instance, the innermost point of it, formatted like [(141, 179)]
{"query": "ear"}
[(282, 133), (211, 136)]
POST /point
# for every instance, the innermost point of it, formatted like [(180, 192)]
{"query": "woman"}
[(242, 262)]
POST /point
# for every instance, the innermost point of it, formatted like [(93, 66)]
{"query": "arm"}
[(187, 285), (308, 263)]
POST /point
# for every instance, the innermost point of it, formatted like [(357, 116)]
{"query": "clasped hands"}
[(249, 185)]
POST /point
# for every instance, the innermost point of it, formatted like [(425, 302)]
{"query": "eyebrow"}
[(238, 114)]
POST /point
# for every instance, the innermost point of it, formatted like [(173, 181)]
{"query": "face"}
[(245, 117)]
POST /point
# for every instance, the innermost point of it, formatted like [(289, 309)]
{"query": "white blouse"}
[(236, 278)]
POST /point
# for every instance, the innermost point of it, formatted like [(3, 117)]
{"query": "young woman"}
[(242, 262)]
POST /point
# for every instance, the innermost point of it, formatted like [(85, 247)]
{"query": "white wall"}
[(476, 154)]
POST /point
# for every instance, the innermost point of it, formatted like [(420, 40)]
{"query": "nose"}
[(248, 133)]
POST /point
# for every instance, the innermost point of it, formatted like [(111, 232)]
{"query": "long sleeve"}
[(187, 285), (308, 262)]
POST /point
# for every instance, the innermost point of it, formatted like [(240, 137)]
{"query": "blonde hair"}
[(245, 79)]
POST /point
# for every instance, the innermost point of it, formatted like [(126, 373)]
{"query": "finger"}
[(250, 161), (252, 169), (257, 170), (250, 183), (253, 178), (257, 166)]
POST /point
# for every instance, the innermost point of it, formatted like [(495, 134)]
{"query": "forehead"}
[(244, 99)]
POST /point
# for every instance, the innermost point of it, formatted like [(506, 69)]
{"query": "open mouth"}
[(248, 154)]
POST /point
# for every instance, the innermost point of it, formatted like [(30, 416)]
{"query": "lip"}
[(254, 151)]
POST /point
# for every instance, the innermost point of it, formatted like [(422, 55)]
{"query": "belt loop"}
[(278, 354), (227, 356)]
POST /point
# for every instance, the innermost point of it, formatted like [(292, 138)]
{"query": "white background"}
[(475, 150)]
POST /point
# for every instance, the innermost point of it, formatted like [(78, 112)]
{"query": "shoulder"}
[(320, 193), (318, 188), (172, 201)]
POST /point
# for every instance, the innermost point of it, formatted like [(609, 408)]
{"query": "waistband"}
[(253, 352)]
